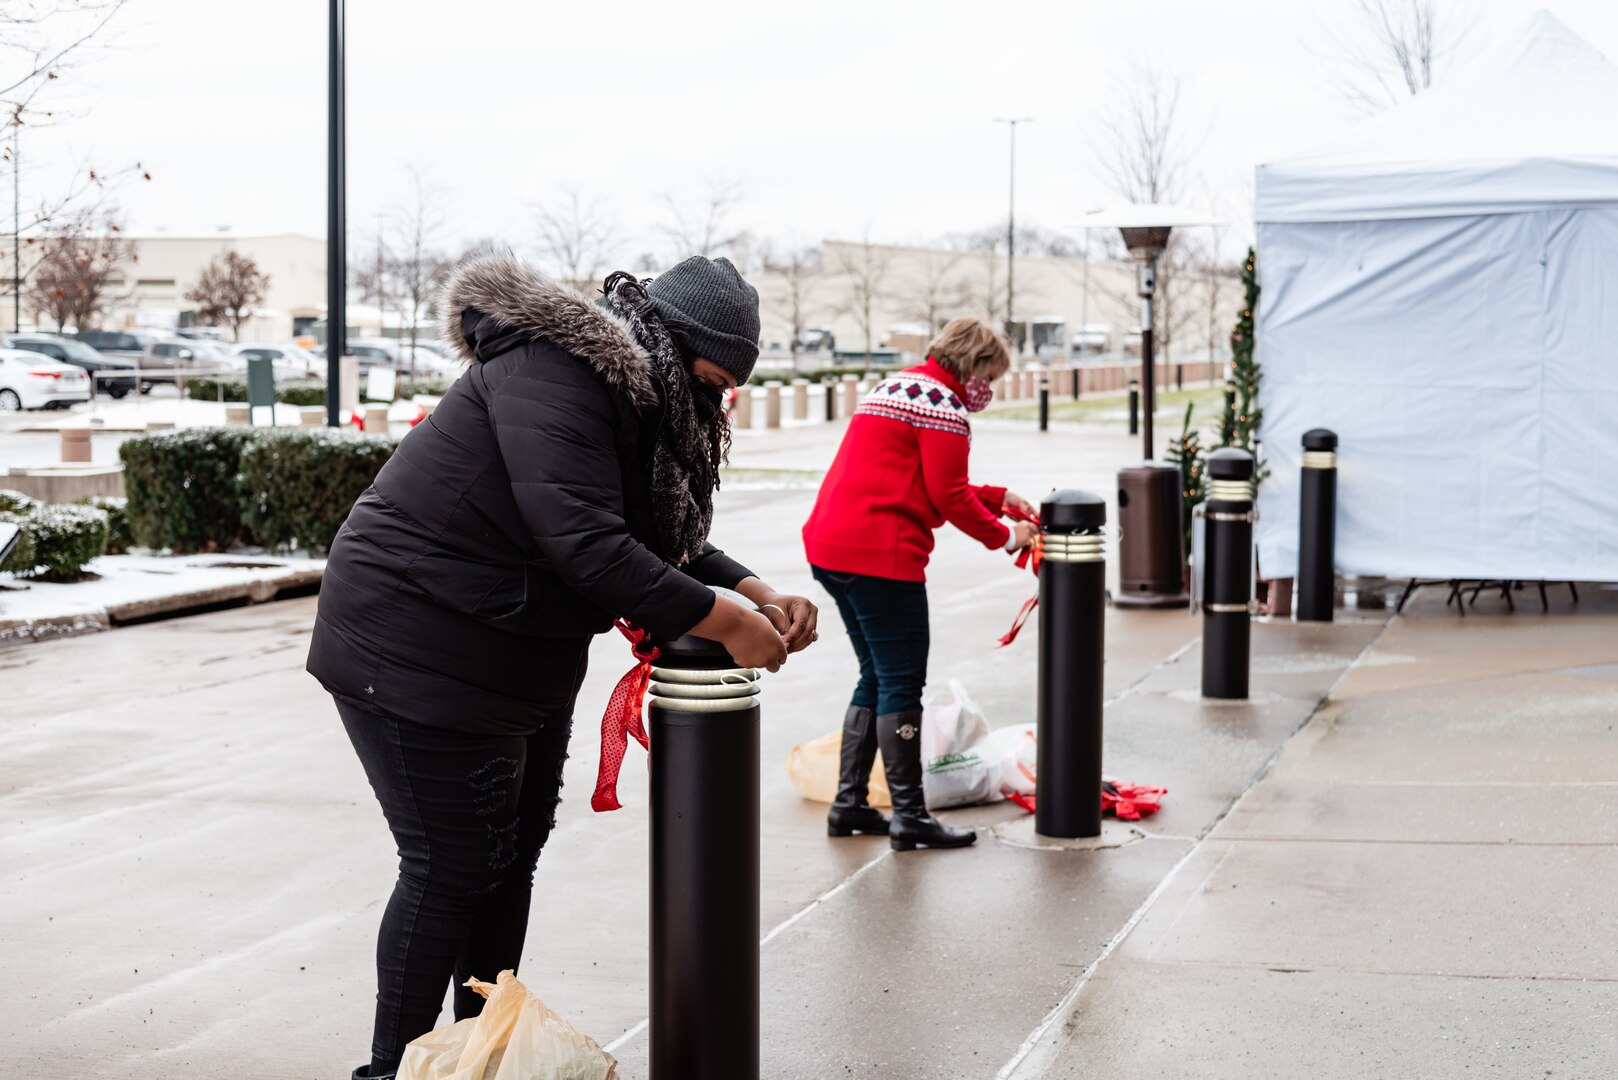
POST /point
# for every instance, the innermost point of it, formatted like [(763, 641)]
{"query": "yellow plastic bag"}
[(515, 1037), (813, 767)]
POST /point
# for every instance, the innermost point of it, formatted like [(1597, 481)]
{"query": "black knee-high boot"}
[(850, 813), (900, 737)]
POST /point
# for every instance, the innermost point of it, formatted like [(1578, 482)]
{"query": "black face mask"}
[(709, 398)]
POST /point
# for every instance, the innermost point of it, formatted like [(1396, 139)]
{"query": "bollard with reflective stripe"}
[(1045, 401), (1317, 527), (1072, 601), (1228, 576), (703, 719), (1134, 406)]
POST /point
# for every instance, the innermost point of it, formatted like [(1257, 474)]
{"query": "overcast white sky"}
[(834, 117)]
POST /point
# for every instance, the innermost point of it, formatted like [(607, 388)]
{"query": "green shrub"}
[(202, 388), (15, 502), (66, 537), (117, 511), (298, 486), (21, 559), (184, 488)]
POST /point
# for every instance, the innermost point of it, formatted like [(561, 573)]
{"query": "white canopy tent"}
[(1440, 288)]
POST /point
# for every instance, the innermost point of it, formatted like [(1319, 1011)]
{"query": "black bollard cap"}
[(696, 652), (1230, 463), (1319, 439), (1072, 511)]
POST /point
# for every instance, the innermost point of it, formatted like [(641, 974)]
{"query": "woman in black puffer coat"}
[(565, 481)]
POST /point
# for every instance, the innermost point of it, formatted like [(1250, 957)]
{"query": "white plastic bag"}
[(953, 773), (515, 1037), (1014, 754)]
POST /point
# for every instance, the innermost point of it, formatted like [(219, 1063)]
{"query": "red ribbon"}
[(1027, 558), (623, 717), (1128, 802)]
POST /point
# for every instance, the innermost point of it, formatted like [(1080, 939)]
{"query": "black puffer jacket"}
[(512, 524)]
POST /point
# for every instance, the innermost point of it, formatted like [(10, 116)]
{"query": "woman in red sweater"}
[(901, 473)]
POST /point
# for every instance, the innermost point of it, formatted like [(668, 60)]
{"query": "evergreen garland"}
[(1185, 451), (1239, 426)]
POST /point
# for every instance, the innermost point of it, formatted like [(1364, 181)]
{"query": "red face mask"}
[(979, 392)]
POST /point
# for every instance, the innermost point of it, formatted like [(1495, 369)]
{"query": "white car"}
[(288, 361), (31, 381)]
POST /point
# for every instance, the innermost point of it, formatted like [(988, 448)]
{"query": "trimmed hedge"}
[(117, 511), (56, 541), (298, 486), (200, 388), (15, 509), (204, 489), (66, 537), (184, 488)]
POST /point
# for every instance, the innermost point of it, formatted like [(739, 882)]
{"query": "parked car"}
[(196, 357), (101, 368), (29, 380), (116, 342), (290, 362)]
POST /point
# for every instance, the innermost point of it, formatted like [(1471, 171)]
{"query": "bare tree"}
[(799, 271), (982, 290), (39, 44), (1390, 49), (79, 264), (706, 228), (1146, 158), (418, 263), (938, 291), (230, 287), (575, 237), (864, 267), (1144, 153)]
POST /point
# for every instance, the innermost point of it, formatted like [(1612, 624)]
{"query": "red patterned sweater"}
[(899, 474)]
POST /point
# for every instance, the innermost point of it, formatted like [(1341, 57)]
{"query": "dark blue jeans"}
[(887, 625), (469, 814)]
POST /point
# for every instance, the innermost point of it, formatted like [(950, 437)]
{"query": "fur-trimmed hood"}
[(520, 297)]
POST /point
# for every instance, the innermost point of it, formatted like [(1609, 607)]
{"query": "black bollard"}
[(1045, 401), (1078, 381), (1227, 577), (1134, 406), (1317, 527), (703, 719), (1072, 599), (831, 399)]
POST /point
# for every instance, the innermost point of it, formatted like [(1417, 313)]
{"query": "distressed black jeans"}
[(470, 814)]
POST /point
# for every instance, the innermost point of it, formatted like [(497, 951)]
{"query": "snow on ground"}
[(133, 586), (135, 413)]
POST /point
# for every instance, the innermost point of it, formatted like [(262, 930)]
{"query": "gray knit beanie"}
[(720, 311)]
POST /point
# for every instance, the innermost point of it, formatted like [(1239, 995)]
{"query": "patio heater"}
[(1151, 546)]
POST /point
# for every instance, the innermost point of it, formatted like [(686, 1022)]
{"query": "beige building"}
[(910, 288), (150, 294)]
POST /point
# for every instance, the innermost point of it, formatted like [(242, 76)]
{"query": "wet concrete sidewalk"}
[(192, 866), (1422, 887)]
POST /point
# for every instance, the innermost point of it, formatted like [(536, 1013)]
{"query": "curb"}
[(194, 602)]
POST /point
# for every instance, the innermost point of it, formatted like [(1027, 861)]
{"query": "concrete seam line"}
[(1171, 658), (1031, 1043), (780, 928), (613, 1046), (821, 899)]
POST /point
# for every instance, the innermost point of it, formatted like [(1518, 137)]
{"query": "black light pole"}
[(1011, 222), (336, 222), (16, 228)]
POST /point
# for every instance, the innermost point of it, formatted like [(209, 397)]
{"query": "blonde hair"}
[(969, 348)]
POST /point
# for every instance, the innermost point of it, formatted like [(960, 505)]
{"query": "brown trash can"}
[(1151, 538)]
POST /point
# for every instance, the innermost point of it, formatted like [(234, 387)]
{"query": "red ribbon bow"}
[(1027, 558), (623, 717)]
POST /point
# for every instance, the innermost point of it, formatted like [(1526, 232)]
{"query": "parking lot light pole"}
[(336, 220)]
